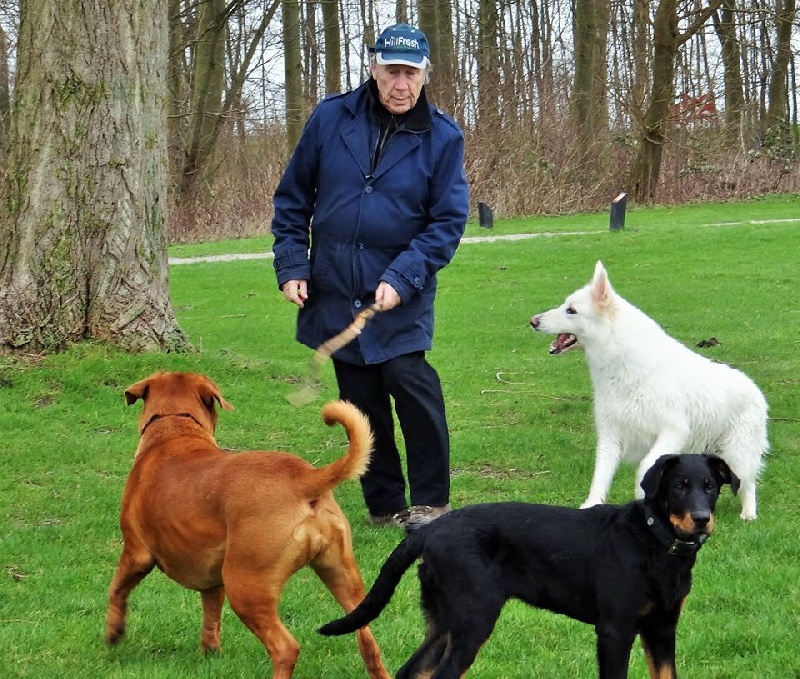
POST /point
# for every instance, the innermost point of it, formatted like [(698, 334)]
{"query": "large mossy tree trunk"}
[(83, 250), (5, 95)]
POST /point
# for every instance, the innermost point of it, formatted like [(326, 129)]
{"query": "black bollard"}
[(485, 218), (618, 212)]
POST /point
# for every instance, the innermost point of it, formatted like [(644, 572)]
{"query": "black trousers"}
[(414, 386)]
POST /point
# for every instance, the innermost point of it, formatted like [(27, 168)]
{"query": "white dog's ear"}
[(601, 287)]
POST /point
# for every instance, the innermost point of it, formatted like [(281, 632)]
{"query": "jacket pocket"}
[(331, 269)]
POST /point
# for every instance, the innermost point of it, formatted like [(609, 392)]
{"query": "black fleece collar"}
[(418, 119)]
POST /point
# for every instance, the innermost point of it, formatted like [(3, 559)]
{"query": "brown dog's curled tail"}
[(356, 460)]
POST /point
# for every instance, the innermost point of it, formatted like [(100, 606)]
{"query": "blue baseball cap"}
[(402, 44)]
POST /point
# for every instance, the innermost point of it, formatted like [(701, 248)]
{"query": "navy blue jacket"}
[(400, 223)]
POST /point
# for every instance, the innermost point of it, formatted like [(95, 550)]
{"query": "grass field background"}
[(521, 426)]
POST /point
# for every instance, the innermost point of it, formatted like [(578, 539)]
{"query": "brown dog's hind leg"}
[(212, 613), (256, 604), (131, 570), (371, 654), (337, 568)]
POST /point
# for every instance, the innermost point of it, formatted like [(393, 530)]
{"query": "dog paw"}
[(591, 502), (747, 516), (114, 633), (209, 644)]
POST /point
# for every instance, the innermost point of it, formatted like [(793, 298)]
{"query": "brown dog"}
[(236, 525)]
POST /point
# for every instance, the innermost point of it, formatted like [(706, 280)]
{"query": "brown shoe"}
[(422, 515), (397, 518)]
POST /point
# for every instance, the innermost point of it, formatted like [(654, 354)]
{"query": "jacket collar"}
[(362, 145), (418, 119)]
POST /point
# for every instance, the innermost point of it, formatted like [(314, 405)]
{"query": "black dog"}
[(624, 569)]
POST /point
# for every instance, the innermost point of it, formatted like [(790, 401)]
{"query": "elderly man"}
[(373, 203)]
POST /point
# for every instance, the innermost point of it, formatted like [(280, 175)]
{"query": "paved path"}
[(464, 241)]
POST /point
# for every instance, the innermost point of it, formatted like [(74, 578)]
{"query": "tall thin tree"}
[(778, 107), (589, 102), (667, 39), (725, 27), (333, 46), (488, 58), (293, 72), (208, 85)]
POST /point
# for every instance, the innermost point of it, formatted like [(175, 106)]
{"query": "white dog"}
[(652, 395)]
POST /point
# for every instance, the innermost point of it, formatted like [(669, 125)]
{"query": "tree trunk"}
[(5, 98), (311, 54), (401, 12), (589, 105), (725, 26), (648, 162), (543, 60), (641, 58), (293, 73), (444, 73), (177, 88), (208, 86), (333, 46), (435, 20), (666, 42), (602, 11), (488, 58), (778, 109), (83, 240), (428, 24)]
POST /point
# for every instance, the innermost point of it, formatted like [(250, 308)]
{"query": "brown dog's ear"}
[(723, 472), (652, 478), (210, 392), (136, 391), (223, 402)]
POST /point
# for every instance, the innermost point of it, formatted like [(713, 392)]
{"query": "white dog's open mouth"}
[(562, 343)]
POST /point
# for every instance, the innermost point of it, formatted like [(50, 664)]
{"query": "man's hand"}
[(387, 296), (296, 292)]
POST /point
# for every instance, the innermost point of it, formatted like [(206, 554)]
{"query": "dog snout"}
[(535, 321), (701, 519)]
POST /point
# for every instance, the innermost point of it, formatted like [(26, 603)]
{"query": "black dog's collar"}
[(666, 537)]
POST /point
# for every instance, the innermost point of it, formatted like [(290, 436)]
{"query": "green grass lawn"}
[(522, 429)]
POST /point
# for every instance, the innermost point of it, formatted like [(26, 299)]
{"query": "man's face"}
[(398, 86)]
